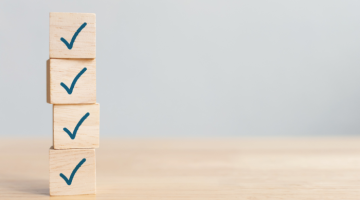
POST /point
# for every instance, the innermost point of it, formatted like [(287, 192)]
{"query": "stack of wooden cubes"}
[(71, 88)]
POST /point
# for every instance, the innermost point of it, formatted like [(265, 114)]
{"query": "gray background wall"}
[(195, 68)]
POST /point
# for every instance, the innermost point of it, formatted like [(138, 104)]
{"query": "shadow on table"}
[(36, 187), (72, 197)]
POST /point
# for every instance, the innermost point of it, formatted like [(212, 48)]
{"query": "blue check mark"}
[(70, 46), (69, 181), (73, 135), (70, 90)]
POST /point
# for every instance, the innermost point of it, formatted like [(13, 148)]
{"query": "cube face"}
[(79, 162), (71, 81), (76, 126), (81, 38)]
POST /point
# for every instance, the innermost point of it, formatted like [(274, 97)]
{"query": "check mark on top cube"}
[(70, 90), (69, 181), (73, 135), (70, 46)]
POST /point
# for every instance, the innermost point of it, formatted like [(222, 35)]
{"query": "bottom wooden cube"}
[(72, 171)]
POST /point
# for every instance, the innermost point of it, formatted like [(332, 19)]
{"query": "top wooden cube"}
[(72, 35)]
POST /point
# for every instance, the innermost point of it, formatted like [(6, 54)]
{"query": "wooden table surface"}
[(253, 169)]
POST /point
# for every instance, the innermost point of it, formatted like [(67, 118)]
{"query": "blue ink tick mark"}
[(69, 91), (69, 181), (70, 46), (72, 136)]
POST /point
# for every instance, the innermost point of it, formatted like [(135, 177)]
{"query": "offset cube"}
[(71, 81), (78, 30), (76, 126), (72, 172)]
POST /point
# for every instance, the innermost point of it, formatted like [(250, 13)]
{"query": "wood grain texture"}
[(65, 70), (64, 161), (65, 25), (48, 81), (68, 116), (196, 169)]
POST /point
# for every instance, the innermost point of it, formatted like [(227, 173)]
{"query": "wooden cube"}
[(76, 126), (72, 35), (71, 81), (72, 172)]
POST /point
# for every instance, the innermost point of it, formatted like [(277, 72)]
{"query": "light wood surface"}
[(65, 71), (68, 116), (222, 169), (65, 161), (64, 25)]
